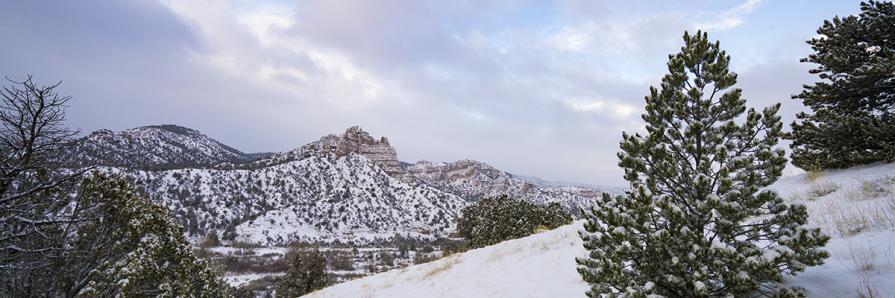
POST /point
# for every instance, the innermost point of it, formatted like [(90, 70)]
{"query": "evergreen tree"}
[(306, 273), (133, 249), (853, 106), (496, 219), (697, 221)]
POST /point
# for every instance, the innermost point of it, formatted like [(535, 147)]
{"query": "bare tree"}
[(35, 209)]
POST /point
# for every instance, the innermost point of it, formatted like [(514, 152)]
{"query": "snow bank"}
[(541, 265)]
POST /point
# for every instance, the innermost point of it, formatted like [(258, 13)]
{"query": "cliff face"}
[(356, 140)]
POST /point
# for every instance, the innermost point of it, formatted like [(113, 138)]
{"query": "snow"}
[(318, 198), (229, 250), (242, 279), (856, 206), (543, 265), (840, 276)]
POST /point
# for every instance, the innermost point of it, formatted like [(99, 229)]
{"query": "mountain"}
[(354, 140), (473, 180), (347, 187), (318, 198), (151, 147), (854, 205)]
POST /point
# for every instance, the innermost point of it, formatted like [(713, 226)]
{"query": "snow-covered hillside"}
[(855, 206), (541, 265), (319, 198), (474, 180), (151, 147), (347, 187)]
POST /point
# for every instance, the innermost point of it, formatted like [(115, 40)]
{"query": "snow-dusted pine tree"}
[(130, 247), (853, 105), (697, 221)]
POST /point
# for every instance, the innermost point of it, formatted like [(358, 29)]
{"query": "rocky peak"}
[(356, 140)]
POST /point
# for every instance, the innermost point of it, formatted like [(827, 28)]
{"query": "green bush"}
[(307, 273), (496, 219)]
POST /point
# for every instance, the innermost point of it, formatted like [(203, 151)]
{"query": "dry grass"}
[(813, 174), (863, 256), (816, 189), (541, 229), (441, 267), (868, 260), (869, 205), (848, 217), (822, 188), (866, 289)]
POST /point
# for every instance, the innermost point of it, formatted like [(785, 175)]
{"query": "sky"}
[(541, 88)]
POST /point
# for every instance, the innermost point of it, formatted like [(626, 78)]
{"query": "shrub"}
[(211, 240), (307, 273), (496, 219)]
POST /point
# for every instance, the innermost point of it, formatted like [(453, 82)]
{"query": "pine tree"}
[(853, 106), (697, 221), (136, 249), (306, 273)]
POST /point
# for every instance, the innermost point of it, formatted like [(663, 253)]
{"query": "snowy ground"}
[(228, 250), (237, 280), (541, 265), (855, 206)]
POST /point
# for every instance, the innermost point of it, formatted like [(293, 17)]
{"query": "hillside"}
[(319, 198), (151, 147), (473, 180), (855, 206), (341, 188), (540, 265)]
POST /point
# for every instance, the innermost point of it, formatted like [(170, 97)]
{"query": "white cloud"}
[(285, 73), (570, 39), (615, 109), (731, 18)]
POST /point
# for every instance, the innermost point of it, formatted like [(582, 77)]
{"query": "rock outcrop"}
[(356, 140)]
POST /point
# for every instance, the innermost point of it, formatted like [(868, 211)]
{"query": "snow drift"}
[(855, 206)]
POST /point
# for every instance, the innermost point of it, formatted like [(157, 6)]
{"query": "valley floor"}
[(855, 206)]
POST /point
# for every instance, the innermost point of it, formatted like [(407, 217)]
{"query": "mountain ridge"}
[(348, 187)]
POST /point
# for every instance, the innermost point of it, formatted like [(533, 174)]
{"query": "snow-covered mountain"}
[(474, 180), (354, 140), (855, 206), (319, 198), (348, 187), (152, 147)]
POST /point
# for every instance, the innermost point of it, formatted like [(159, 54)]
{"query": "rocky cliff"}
[(356, 140)]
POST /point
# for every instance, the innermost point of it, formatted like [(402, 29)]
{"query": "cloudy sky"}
[(531, 87)]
